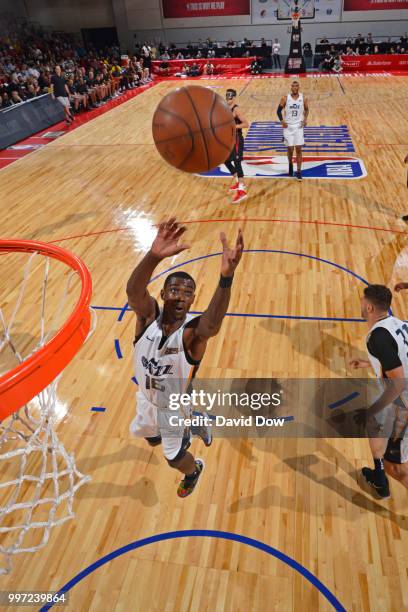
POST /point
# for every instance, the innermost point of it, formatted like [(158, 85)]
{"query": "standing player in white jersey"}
[(387, 348), (296, 109), (170, 343)]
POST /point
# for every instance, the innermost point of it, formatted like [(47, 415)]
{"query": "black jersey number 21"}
[(401, 331)]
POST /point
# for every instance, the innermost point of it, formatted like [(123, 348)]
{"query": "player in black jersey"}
[(234, 162), (387, 417)]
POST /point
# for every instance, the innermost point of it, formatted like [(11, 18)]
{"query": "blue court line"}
[(98, 409), (117, 349), (123, 311), (295, 317), (209, 416), (248, 314), (344, 400), (282, 149), (209, 533), (134, 379), (253, 315), (314, 138), (330, 263)]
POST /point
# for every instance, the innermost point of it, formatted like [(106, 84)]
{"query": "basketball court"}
[(276, 524)]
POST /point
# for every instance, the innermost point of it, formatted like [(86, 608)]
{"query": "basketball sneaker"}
[(234, 186), (299, 175), (189, 483), (203, 432), (290, 169), (240, 195), (381, 486)]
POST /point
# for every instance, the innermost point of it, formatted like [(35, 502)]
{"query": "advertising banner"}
[(221, 65), (176, 9), (374, 63), (22, 120), (375, 5)]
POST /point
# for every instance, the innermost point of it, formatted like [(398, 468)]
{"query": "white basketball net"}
[(38, 477)]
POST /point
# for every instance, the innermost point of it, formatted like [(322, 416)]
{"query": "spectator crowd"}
[(364, 45), (34, 62)]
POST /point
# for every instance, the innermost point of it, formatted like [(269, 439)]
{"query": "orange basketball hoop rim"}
[(21, 384), (295, 19)]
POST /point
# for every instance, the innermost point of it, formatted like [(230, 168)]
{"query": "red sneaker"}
[(234, 187), (240, 195)]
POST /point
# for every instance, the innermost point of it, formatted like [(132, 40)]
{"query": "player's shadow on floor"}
[(358, 498), (67, 220), (258, 195), (142, 490), (130, 452), (271, 496), (346, 193), (324, 350)]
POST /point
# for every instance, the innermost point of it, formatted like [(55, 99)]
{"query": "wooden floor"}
[(98, 191)]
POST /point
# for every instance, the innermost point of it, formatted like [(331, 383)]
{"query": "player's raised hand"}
[(400, 286), (231, 256), (166, 243)]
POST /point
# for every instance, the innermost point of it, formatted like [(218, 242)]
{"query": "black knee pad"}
[(181, 454)]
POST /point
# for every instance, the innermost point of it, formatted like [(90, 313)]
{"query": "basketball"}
[(203, 281), (194, 129)]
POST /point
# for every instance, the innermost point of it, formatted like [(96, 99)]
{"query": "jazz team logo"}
[(313, 167)]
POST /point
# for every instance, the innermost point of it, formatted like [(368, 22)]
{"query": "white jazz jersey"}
[(399, 331), (164, 370), (293, 135), (294, 110), (160, 372), (392, 418)]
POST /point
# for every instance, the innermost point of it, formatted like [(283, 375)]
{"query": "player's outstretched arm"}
[(166, 244), (279, 112), (209, 324)]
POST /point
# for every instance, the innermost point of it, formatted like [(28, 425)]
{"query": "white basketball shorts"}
[(293, 136), (147, 424), (64, 101)]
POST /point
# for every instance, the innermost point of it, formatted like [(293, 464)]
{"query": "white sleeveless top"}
[(294, 110), (399, 331), (160, 367)]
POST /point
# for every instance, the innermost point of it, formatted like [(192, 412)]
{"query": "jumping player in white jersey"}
[(387, 348), (296, 109), (170, 343)]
